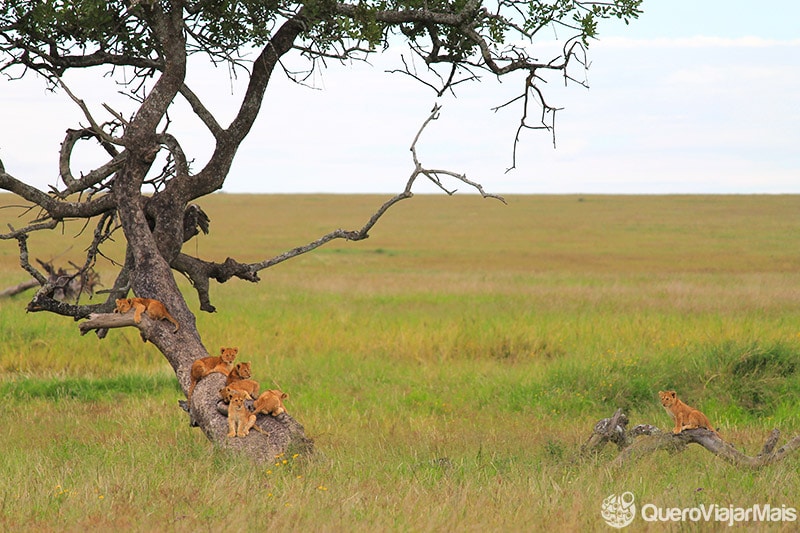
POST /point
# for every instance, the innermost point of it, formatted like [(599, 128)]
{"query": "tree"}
[(146, 186)]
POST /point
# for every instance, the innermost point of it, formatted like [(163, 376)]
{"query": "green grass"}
[(89, 390), (449, 368)]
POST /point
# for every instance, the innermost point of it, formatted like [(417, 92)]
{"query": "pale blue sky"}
[(774, 19), (694, 97)]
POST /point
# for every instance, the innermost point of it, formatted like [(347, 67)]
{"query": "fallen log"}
[(21, 287), (645, 438)]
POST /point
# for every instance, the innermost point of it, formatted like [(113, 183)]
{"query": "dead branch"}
[(95, 127), (70, 286), (614, 430), (645, 439), (111, 320), (433, 175), (20, 287), (200, 272), (95, 177)]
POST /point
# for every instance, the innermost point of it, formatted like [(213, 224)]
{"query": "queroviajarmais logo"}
[(619, 510)]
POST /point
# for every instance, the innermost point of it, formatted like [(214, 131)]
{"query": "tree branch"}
[(363, 233), (202, 112), (211, 177), (95, 177), (95, 127), (200, 272)]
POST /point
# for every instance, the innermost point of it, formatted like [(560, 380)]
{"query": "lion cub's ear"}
[(284, 396)]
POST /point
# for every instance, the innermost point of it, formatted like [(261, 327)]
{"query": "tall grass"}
[(449, 368)]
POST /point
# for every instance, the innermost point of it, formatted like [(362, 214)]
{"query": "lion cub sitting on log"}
[(239, 379), (685, 417), (269, 403), (206, 365), (240, 419), (153, 308)]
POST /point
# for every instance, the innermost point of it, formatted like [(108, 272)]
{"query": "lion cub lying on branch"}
[(685, 417), (206, 365), (153, 308)]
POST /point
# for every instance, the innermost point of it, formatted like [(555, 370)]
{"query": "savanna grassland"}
[(448, 368)]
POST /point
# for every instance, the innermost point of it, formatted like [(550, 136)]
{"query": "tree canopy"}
[(146, 186)]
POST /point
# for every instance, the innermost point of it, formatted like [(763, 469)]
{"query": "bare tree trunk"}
[(284, 432)]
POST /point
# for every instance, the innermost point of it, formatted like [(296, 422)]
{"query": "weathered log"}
[(21, 287), (112, 320), (614, 430), (631, 447), (102, 322)]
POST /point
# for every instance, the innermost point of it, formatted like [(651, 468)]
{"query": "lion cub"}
[(685, 417), (206, 365), (270, 403), (239, 379), (240, 419), (226, 393), (153, 308)]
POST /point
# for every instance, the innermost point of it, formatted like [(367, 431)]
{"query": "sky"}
[(693, 97)]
